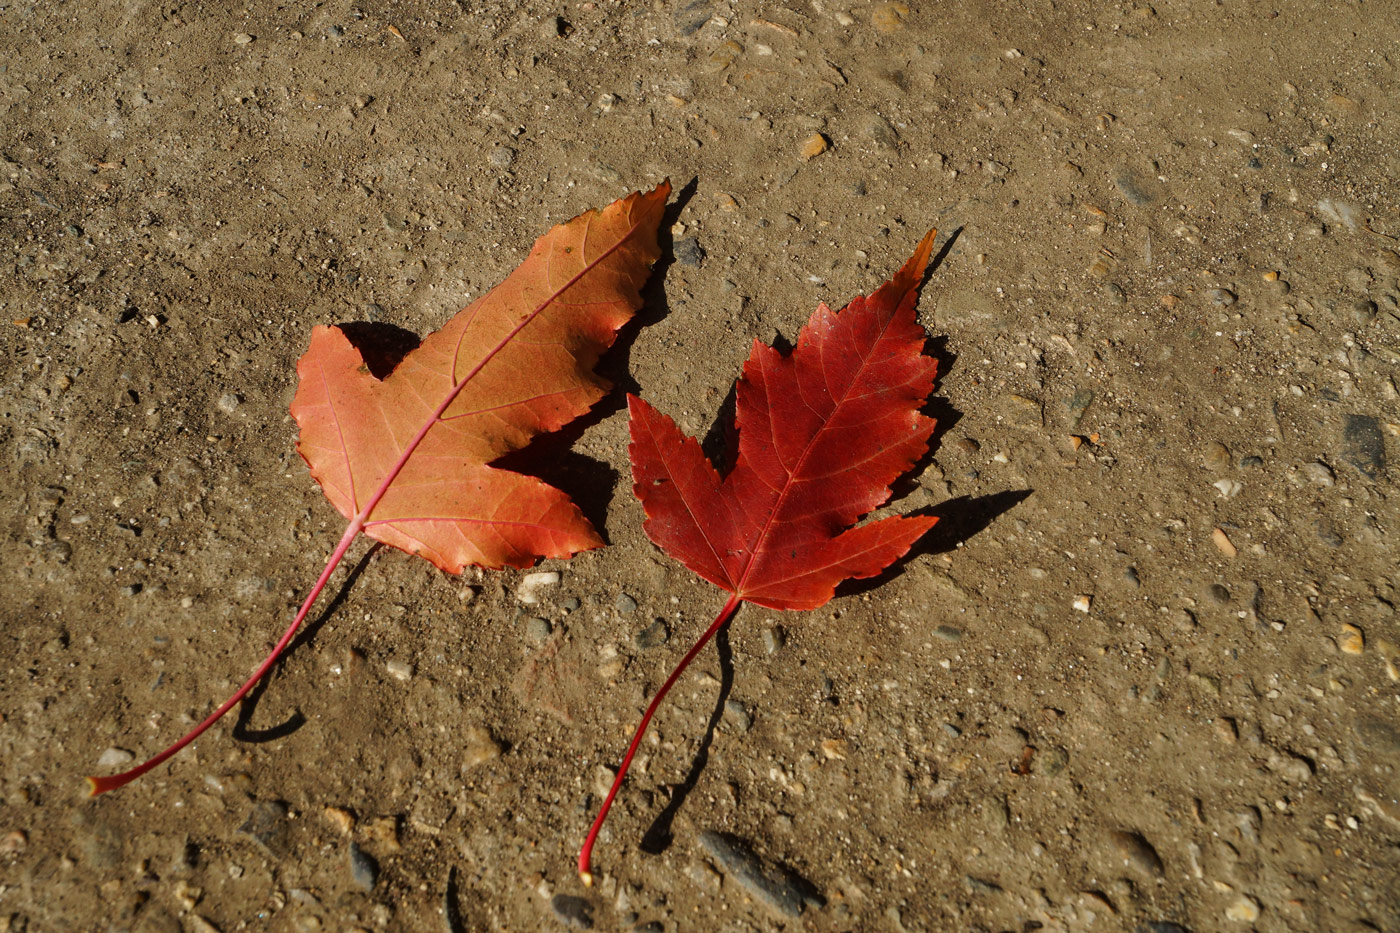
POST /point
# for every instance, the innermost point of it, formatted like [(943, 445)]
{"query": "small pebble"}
[(340, 819), (537, 631), (1222, 297), (689, 252), (1052, 762), (1024, 410), (115, 758), (502, 156), (531, 583), (242, 39), (1223, 543), (704, 876), (722, 57), (814, 146), (13, 843), (478, 746), (1327, 533), (1245, 909), (1228, 488), (738, 715), (1363, 445), (1137, 852), (878, 130), (555, 27), (1351, 641), (691, 16), (981, 885), (364, 870), (572, 911), (1132, 188), (625, 604), (229, 402), (1295, 769), (653, 636), (1082, 603), (773, 639), (1217, 456), (889, 17), (777, 888), (1319, 473), (399, 670), (267, 825), (948, 633)]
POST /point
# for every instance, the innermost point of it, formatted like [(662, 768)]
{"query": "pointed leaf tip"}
[(822, 433)]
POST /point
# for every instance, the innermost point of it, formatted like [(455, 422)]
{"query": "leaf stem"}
[(585, 855), (100, 785)]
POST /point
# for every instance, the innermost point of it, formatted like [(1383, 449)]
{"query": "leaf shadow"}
[(242, 726), (959, 520), (658, 837), (382, 346)]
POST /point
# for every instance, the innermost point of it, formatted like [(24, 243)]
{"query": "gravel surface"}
[(1143, 675)]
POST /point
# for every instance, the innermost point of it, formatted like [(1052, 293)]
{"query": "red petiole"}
[(100, 785), (585, 855)]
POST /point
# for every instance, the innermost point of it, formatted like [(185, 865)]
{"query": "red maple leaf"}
[(407, 459), (822, 433)]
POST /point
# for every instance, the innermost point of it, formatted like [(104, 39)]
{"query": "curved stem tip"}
[(100, 785), (585, 855)]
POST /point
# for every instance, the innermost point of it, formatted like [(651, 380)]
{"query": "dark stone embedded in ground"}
[(653, 636), (981, 886), (1363, 445), (1380, 735), (573, 911), (690, 16), (267, 826), (775, 886), (689, 252), (364, 870), (1133, 187)]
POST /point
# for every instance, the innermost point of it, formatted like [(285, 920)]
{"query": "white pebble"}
[(1228, 487), (528, 593), (1245, 909), (115, 758), (1082, 603), (400, 670)]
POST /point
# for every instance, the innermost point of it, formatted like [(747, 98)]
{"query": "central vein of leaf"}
[(807, 450), (363, 515)]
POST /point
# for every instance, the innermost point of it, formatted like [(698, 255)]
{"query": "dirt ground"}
[(1143, 675)]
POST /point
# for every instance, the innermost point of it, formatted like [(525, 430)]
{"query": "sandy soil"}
[(1141, 677)]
